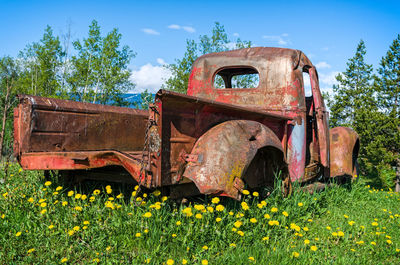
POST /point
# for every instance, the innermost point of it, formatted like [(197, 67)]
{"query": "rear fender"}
[(344, 146), (225, 152)]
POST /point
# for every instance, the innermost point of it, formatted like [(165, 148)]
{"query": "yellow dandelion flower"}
[(86, 222), (234, 229), (43, 204), (204, 262), (51, 226), (170, 262), (30, 199), (164, 198), (340, 233), (253, 220), (313, 248), (64, 260), (215, 200), (266, 216), (306, 242), (232, 245), (240, 233), (59, 188), (237, 224), (295, 254), (144, 195), (230, 213), (219, 208), (198, 216), (389, 241), (199, 207), (328, 228), (92, 198), (205, 247), (345, 216), (360, 242), (43, 211), (138, 235), (285, 213), (351, 223), (246, 192), (266, 238), (252, 259), (70, 193), (76, 228), (147, 215), (156, 193), (218, 219), (178, 223), (83, 197), (374, 224), (260, 205), (84, 227), (256, 194), (78, 208), (47, 183), (309, 220), (30, 250), (174, 235), (184, 261), (71, 232), (18, 234), (245, 206), (78, 196), (334, 234), (300, 204), (210, 209), (64, 203), (305, 228), (274, 210)]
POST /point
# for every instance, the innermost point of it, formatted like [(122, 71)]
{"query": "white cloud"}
[(174, 26), (279, 39), (325, 48), (189, 29), (150, 77), (328, 79), (322, 65), (236, 34), (185, 28), (150, 31)]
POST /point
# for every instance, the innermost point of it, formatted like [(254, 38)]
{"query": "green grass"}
[(36, 227)]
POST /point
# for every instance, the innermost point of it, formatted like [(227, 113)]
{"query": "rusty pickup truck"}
[(218, 139)]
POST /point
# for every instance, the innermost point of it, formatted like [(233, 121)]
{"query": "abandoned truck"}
[(217, 139)]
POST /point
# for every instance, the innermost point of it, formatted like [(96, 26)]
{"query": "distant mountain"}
[(134, 98)]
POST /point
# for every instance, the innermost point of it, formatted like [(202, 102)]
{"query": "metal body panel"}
[(344, 146)]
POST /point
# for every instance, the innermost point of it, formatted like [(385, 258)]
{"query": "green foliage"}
[(41, 63), (100, 69), (387, 86), (9, 74), (217, 42), (111, 226)]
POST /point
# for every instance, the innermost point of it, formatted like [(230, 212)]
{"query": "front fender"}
[(344, 146), (225, 152)]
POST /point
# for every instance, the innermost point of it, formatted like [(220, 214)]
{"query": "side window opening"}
[(307, 85), (238, 77)]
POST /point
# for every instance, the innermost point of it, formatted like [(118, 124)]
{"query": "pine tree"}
[(354, 105), (387, 85)]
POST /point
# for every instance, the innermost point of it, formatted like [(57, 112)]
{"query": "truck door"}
[(322, 119)]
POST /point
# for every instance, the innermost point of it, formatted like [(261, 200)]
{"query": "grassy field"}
[(48, 223)]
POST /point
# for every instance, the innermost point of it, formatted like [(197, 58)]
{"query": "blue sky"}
[(328, 32)]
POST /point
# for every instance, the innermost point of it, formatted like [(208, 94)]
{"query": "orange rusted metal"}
[(212, 140)]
